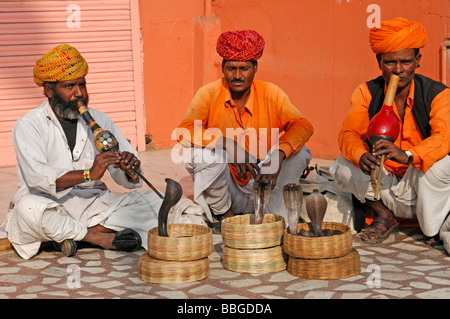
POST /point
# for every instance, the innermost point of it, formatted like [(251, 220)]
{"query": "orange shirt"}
[(426, 151), (268, 107)]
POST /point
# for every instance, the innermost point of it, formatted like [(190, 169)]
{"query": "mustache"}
[(67, 110), (73, 103)]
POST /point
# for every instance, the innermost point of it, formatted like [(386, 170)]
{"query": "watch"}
[(410, 157)]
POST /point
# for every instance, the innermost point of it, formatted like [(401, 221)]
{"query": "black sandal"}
[(383, 221)]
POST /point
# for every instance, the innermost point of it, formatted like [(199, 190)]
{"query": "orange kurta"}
[(268, 107), (426, 151)]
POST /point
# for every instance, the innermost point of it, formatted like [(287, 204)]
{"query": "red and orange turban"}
[(62, 63), (242, 45), (397, 34)]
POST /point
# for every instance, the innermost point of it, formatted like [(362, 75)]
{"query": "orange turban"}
[(62, 63), (397, 34), (243, 45)]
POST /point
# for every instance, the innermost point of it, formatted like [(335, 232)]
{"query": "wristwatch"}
[(410, 157)]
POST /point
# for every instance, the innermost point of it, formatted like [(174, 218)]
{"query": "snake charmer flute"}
[(385, 124), (105, 141)]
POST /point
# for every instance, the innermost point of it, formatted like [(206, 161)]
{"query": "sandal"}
[(383, 224), (68, 247)]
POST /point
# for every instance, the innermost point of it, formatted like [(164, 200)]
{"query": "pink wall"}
[(317, 51)]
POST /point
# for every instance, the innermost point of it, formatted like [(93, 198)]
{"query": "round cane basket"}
[(254, 261), (319, 247), (331, 268), (185, 242), (171, 272), (240, 232)]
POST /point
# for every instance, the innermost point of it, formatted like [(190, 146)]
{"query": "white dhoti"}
[(36, 219), (216, 191), (425, 195)]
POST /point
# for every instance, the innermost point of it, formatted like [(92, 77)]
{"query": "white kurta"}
[(41, 212)]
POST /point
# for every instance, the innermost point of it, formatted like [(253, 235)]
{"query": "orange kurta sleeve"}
[(352, 136), (191, 130), (297, 129)]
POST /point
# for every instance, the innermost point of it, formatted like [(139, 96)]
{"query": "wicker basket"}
[(185, 242), (319, 247), (240, 232), (331, 268), (254, 261), (171, 272)]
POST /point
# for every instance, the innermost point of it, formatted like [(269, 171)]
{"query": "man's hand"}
[(101, 163), (242, 161), (271, 168), (391, 151), (128, 160), (368, 162)]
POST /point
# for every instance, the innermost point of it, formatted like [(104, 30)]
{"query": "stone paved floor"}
[(407, 268)]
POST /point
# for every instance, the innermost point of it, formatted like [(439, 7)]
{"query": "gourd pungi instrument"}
[(105, 141), (384, 125)]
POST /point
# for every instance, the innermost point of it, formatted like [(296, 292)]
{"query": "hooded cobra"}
[(171, 197)]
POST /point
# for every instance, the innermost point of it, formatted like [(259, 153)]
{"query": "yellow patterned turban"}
[(396, 35), (62, 63)]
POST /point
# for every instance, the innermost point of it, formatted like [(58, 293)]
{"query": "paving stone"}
[(35, 264), (308, 285), (355, 295), (26, 296), (50, 280), (172, 294), (118, 274), (55, 271), (69, 260), (9, 270), (352, 287), (395, 293), (282, 276), (108, 284), (205, 290), (17, 279), (409, 247), (442, 293), (319, 295), (264, 289), (420, 285), (438, 281), (37, 288), (242, 283), (90, 279), (7, 289), (232, 296), (95, 255)]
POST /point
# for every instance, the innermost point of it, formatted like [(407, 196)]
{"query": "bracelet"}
[(87, 175)]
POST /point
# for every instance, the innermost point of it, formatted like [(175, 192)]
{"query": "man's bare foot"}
[(229, 214), (382, 225), (101, 229), (100, 238)]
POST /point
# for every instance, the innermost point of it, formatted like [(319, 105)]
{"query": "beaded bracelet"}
[(87, 175)]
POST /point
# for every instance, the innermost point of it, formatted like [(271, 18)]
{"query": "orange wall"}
[(317, 51)]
